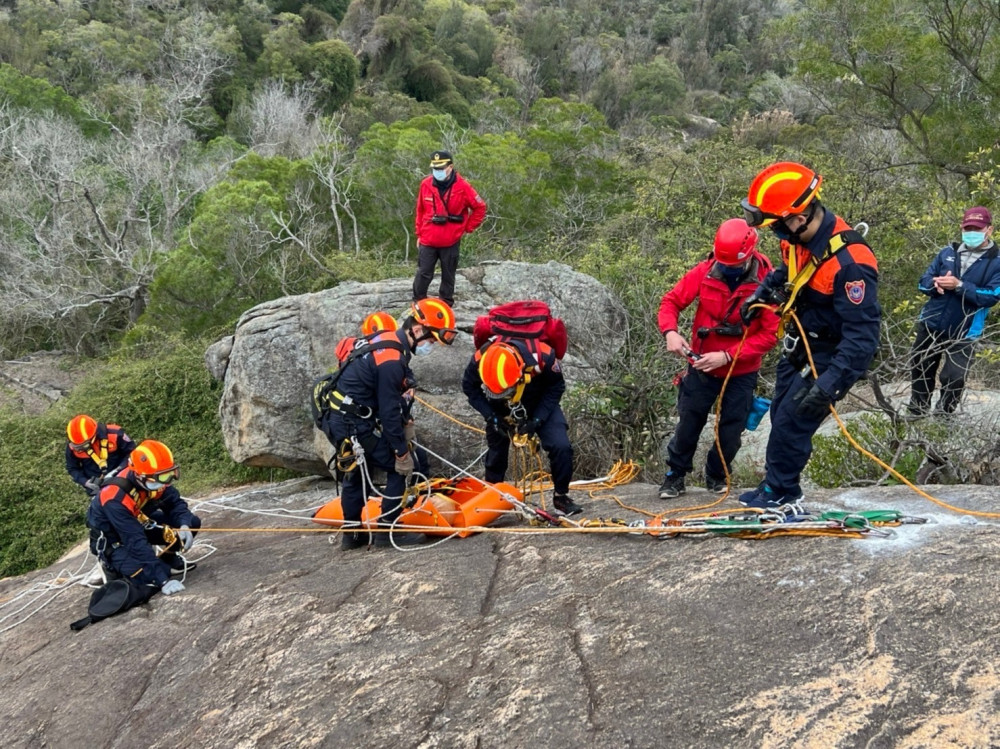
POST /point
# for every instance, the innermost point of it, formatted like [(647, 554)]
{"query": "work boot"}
[(672, 486), (715, 484), (353, 539), (398, 538), (566, 505)]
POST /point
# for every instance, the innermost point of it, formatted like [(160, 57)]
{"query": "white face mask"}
[(423, 348)]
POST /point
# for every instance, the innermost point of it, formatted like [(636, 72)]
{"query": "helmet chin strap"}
[(797, 234)]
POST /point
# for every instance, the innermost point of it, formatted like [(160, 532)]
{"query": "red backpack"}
[(529, 319)]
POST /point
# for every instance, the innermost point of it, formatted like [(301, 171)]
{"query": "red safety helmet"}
[(81, 431), (781, 190), (437, 316), (734, 242), (502, 369), (377, 322), (153, 465)]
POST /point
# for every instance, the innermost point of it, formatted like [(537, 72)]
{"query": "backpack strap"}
[(325, 396)]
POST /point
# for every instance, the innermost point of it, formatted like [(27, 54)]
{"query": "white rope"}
[(39, 589)]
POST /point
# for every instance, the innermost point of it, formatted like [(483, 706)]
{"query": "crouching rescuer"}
[(517, 385), (137, 510), (361, 407)]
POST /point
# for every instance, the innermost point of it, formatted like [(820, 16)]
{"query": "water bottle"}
[(757, 411)]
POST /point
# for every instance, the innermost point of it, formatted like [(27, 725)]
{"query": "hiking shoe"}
[(765, 498), (177, 564), (672, 486), (716, 485), (353, 540), (566, 505), (181, 569)]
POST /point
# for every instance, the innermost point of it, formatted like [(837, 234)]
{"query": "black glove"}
[(813, 403), (497, 425), (528, 427), (760, 296)]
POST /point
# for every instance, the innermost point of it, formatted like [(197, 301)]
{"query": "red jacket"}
[(460, 199), (717, 305)]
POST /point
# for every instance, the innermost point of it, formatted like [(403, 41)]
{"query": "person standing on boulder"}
[(95, 451), (517, 386), (963, 282), (829, 280), (447, 208), (719, 284), (366, 411), (137, 510)]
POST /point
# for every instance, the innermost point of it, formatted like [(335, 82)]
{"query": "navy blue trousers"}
[(378, 454), (790, 443), (554, 436)]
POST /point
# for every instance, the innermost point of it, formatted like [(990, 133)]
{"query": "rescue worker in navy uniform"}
[(963, 282), (138, 509), (374, 323), (370, 408), (829, 278), (95, 451), (516, 385)]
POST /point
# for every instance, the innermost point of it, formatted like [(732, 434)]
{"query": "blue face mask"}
[(423, 348), (731, 272), (439, 174), (973, 239), (781, 231)]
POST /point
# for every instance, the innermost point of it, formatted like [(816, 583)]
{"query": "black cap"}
[(440, 159)]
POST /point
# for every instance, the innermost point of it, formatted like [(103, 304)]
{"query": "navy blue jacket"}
[(961, 313), (541, 396), (115, 513), (378, 380), (81, 467), (838, 307)]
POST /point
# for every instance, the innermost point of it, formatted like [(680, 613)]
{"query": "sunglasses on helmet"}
[(163, 477), (754, 216), (445, 335), (503, 395)]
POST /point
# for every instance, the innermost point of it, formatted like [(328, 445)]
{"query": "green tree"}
[(254, 237), (931, 74)]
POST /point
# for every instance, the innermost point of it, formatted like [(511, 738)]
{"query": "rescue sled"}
[(440, 510)]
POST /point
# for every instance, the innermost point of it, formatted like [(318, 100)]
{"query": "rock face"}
[(280, 347), (497, 641)]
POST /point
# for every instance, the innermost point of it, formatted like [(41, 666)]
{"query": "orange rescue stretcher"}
[(441, 509)]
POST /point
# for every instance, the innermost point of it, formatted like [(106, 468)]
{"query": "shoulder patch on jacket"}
[(855, 291)]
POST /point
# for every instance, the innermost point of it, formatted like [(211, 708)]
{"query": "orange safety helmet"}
[(781, 190), (377, 322), (502, 370), (435, 315), (81, 431), (734, 242), (153, 465)]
